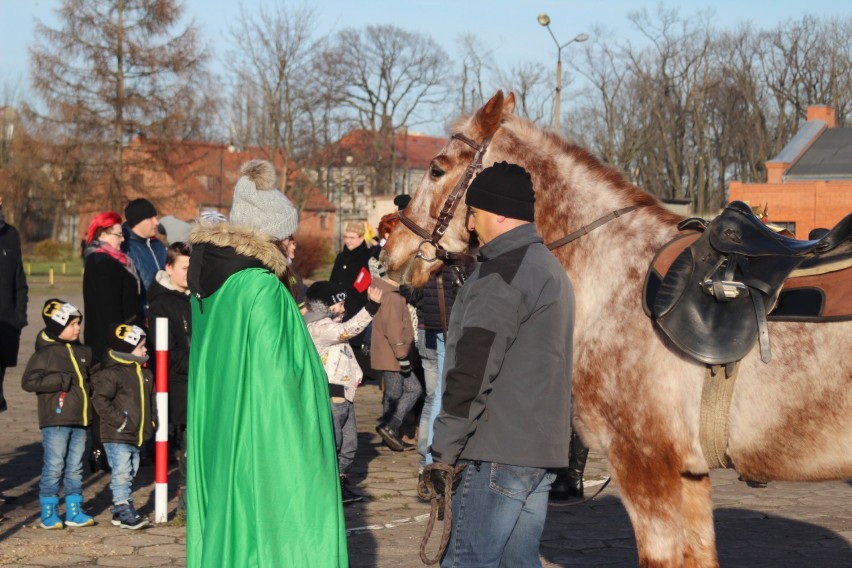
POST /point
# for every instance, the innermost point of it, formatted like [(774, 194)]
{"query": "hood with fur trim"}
[(221, 250)]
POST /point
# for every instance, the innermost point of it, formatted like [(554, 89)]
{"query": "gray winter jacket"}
[(509, 357)]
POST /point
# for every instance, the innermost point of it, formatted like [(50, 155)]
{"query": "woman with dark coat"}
[(111, 285), (13, 307), (111, 295), (350, 261), (13, 298)]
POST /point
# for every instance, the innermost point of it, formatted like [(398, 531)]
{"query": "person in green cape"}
[(262, 480)]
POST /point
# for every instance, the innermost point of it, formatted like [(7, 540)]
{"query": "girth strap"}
[(716, 394)]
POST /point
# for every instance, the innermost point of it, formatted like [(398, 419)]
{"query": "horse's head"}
[(433, 224)]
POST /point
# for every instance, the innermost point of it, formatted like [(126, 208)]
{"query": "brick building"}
[(195, 176), (809, 183)]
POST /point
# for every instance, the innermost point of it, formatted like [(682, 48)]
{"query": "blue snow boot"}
[(126, 517), (74, 515), (49, 517)]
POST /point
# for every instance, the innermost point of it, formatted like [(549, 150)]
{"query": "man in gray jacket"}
[(506, 408)]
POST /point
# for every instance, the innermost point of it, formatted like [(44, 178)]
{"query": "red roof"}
[(410, 149)]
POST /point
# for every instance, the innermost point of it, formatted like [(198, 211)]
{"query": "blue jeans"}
[(400, 396), (432, 361), (345, 434), (124, 461), (514, 500), (64, 447)]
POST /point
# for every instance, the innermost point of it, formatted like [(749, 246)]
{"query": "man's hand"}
[(440, 474)]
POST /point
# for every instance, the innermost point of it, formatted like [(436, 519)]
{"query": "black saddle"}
[(714, 298)]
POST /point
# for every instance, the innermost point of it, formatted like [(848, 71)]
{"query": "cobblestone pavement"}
[(784, 525)]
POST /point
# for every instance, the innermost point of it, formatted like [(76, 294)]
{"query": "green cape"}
[(262, 480)]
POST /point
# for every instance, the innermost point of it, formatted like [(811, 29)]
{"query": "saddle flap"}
[(660, 266), (703, 327)]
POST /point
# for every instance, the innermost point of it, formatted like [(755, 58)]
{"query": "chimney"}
[(824, 113)]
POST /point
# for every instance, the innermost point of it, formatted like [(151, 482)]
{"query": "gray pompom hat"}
[(259, 205)]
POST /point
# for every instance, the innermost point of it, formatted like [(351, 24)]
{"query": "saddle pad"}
[(818, 293)]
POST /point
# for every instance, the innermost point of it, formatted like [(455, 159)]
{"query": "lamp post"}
[(231, 149), (544, 20), (347, 174)]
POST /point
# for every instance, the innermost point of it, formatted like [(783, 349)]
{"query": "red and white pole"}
[(161, 472)]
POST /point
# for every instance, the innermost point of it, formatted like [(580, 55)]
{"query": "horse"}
[(637, 398)]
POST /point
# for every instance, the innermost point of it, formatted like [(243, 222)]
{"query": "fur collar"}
[(244, 241)]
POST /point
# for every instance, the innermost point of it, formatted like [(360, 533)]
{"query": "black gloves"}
[(404, 366), (440, 473)]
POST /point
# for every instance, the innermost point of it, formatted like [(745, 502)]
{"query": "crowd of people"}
[(264, 371)]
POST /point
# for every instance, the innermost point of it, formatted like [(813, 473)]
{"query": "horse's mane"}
[(549, 158)]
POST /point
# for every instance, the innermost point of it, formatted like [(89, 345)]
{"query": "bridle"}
[(449, 208)]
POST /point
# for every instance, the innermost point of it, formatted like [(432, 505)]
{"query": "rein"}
[(450, 205), (426, 490), (586, 229)]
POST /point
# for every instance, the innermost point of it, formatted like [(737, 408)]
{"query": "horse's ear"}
[(509, 104), (487, 119)]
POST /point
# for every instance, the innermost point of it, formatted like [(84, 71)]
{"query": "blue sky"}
[(508, 27)]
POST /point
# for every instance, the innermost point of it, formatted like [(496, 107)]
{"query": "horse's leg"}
[(650, 485), (700, 546)]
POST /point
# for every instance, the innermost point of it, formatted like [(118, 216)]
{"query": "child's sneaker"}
[(49, 517), (126, 517)]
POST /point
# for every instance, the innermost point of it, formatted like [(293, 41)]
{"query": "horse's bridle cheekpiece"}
[(450, 205)]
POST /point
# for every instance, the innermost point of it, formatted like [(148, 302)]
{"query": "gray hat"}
[(177, 231), (258, 205)]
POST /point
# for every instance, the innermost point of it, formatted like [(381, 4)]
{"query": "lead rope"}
[(581, 501), (426, 490)]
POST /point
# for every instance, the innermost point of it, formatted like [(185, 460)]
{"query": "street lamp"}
[(544, 20), (231, 149), (339, 186)]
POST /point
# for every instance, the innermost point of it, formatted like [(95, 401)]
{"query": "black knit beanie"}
[(124, 338), (57, 314), (138, 210), (503, 189), (329, 293)]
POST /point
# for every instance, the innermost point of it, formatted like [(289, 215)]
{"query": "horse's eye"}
[(435, 171)]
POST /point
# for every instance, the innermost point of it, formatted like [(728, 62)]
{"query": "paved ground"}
[(785, 525)]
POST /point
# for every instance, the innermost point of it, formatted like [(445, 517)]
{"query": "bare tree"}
[(603, 115), (272, 64), (476, 63), (117, 68), (532, 84), (392, 78)]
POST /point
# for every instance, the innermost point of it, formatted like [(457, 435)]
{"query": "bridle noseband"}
[(449, 208)]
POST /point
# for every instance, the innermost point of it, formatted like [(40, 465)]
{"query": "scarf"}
[(126, 261)]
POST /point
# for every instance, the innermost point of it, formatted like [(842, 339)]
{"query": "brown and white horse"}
[(637, 398)]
